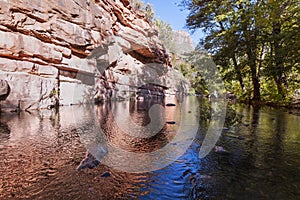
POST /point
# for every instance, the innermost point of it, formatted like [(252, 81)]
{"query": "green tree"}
[(282, 33), (231, 35), (250, 40), (165, 34)]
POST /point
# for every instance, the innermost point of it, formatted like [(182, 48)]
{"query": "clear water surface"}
[(40, 152)]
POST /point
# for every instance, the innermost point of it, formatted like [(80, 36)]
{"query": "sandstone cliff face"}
[(72, 51), (183, 41)]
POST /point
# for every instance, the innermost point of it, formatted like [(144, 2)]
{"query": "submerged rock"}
[(195, 178), (219, 149), (171, 122), (89, 162), (105, 174), (91, 190)]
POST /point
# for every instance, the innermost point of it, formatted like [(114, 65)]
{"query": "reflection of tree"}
[(205, 112), (55, 119), (203, 74), (253, 116), (280, 128), (232, 116), (277, 135)]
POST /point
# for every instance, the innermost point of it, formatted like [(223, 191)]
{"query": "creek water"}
[(257, 154)]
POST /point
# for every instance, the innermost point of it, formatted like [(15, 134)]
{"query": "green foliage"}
[(165, 34), (199, 68), (198, 84), (256, 44)]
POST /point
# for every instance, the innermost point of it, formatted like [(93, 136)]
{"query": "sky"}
[(170, 12)]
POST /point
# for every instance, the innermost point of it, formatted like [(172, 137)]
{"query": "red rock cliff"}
[(68, 50)]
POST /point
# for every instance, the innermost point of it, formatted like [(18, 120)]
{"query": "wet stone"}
[(170, 104), (219, 149), (171, 122), (105, 175), (91, 190)]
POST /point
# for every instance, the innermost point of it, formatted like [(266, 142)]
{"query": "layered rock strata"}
[(72, 51)]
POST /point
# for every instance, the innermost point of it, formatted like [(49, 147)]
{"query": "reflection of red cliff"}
[(149, 91), (116, 136), (39, 159)]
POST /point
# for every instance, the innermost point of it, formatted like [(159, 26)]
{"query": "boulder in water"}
[(89, 162), (171, 122), (170, 104), (105, 175), (219, 149)]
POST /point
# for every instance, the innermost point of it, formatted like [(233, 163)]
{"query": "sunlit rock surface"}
[(184, 42), (75, 51)]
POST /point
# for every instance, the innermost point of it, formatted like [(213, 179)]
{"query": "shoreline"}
[(289, 105)]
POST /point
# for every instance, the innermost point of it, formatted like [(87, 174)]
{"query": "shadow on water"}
[(4, 132), (40, 153)]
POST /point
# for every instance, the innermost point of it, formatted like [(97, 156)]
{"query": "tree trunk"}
[(278, 61), (238, 72), (256, 87), (278, 71), (254, 75)]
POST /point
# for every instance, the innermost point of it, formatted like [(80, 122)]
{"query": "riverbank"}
[(287, 105)]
